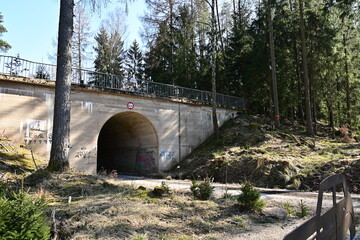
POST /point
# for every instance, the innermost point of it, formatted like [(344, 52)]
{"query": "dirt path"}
[(277, 197)]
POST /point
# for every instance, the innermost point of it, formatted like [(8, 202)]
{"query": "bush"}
[(249, 199), (303, 210), (202, 190), (289, 209), (162, 190), (22, 217)]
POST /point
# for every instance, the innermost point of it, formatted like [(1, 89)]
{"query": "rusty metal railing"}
[(16, 66)]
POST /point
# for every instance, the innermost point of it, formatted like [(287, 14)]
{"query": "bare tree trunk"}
[(309, 124), (331, 117), (219, 27), (79, 52), (213, 70), (171, 6), (273, 68), (234, 7), (300, 109), (347, 82), (59, 155), (313, 104)]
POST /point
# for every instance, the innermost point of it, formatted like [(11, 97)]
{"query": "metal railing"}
[(16, 66)]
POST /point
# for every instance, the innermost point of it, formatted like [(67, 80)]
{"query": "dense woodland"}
[(297, 60), (179, 50)]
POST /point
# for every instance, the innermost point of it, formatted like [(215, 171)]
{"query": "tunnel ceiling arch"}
[(128, 143)]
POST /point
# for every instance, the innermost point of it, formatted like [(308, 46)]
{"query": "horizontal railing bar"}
[(21, 67)]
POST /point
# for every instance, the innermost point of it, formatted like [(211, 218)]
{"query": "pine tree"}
[(273, 66), (116, 54), (238, 41), (185, 55), (41, 72), (309, 122), (109, 53), (59, 154), (134, 62), (4, 46), (161, 43), (102, 49), (213, 69)]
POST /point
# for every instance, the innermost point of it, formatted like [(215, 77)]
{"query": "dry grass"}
[(129, 213), (285, 158), (17, 161)]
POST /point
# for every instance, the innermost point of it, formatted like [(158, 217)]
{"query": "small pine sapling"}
[(249, 199), (202, 190)]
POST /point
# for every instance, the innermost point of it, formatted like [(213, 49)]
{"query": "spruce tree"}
[(134, 62), (109, 51), (102, 49), (116, 54)]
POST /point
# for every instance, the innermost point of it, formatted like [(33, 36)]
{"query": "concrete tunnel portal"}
[(128, 143)]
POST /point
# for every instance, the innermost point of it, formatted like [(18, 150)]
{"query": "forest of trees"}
[(298, 59), (293, 60)]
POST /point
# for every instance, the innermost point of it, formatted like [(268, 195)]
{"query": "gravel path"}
[(272, 197)]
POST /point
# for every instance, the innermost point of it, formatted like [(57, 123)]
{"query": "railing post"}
[(17, 66)]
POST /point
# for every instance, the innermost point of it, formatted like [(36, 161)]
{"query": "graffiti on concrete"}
[(145, 159), (167, 155), (36, 132), (83, 153)]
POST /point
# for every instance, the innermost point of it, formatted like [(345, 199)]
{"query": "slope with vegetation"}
[(250, 149)]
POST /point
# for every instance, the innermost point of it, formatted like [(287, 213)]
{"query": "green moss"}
[(143, 195)]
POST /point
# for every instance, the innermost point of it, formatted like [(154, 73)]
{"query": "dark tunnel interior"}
[(128, 143)]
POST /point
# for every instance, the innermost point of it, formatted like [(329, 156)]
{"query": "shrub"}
[(289, 209), (202, 190), (249, 199), (2, 188), (22, 217), (303, 210), (159, 191)]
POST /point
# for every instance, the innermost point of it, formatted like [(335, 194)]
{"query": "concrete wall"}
[(161, 132)]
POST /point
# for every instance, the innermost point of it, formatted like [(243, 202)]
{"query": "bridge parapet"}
[(15, 66)]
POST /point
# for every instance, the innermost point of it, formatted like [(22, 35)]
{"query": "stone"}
[(275, 212)]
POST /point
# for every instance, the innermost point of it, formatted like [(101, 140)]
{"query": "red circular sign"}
[(130, 105)]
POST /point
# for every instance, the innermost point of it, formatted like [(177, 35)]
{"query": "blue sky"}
[(32, 25)]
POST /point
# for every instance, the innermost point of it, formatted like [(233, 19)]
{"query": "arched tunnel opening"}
[(128, 143)]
